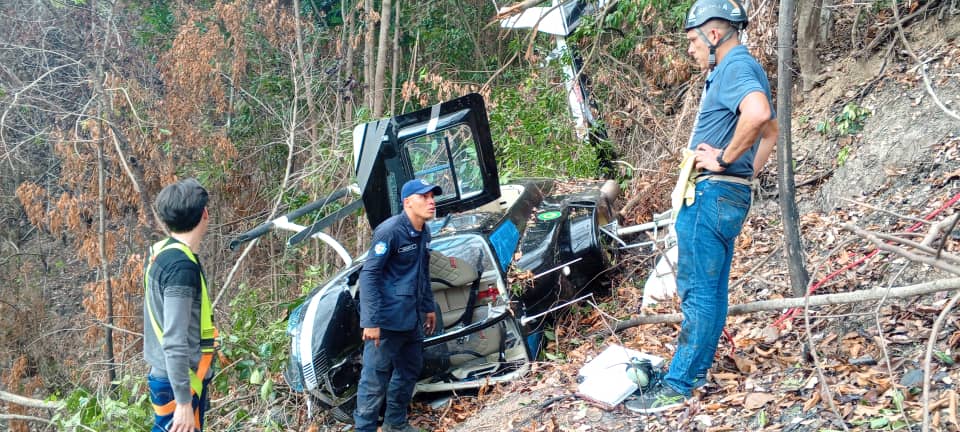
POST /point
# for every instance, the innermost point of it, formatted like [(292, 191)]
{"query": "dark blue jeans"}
[(706, 231), (161, 396), (392, 371)]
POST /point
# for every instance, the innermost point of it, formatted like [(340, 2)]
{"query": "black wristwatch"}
[(720, 161)]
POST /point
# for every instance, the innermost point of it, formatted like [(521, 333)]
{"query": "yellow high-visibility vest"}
[(208, 333)]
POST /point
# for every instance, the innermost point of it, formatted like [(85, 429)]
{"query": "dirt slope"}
[(905, 162)]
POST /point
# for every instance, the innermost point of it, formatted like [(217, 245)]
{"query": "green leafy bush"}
[(848, 122), (129, 409), (533, 132), (256, 344), (156, 26)]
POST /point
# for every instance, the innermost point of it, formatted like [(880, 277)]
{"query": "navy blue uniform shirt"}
[(395, 280)]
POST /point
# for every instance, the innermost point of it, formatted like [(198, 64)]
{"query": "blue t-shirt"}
[(737, 75)]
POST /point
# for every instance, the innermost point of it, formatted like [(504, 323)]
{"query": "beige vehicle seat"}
[(453, 281), (456, 283)]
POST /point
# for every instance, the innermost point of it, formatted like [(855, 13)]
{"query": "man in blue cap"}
[(394, 294)]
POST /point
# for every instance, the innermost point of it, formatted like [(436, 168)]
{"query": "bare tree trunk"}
[(394, 72), (101, 191), (348, 81), (104, 264), (135, 173), (380, 78), (788, 204), (369, 28), (305, 69), (808, 33), (826, 20), (465, 21)]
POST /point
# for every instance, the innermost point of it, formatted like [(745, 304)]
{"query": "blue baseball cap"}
[(418, 186)]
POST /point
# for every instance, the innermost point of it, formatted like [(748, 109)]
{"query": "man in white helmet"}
[(733, 136)]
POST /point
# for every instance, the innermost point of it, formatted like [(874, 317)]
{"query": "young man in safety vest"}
[(178, 336), (733, 135)]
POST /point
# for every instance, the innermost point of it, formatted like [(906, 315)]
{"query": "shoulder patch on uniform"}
[(380, 248)]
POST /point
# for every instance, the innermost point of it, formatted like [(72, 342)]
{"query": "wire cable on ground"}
[(790, 313)]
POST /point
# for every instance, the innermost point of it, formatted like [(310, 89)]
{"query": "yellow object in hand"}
[(684, 193)]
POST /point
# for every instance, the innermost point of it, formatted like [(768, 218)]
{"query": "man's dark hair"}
[(180, 205)]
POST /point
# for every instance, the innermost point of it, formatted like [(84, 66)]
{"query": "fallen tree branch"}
[(25, 418), (872, 237), (515, 9), (859, 296), (920, 65), (918, 246), (817, 179), (889, 28), (946, 226), (119, 329), (29, 402)]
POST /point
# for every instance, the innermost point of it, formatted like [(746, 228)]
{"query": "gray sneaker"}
[(659, 398), (404, 428)]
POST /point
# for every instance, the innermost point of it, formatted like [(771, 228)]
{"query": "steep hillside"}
[(890, 159), (258, 100)]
